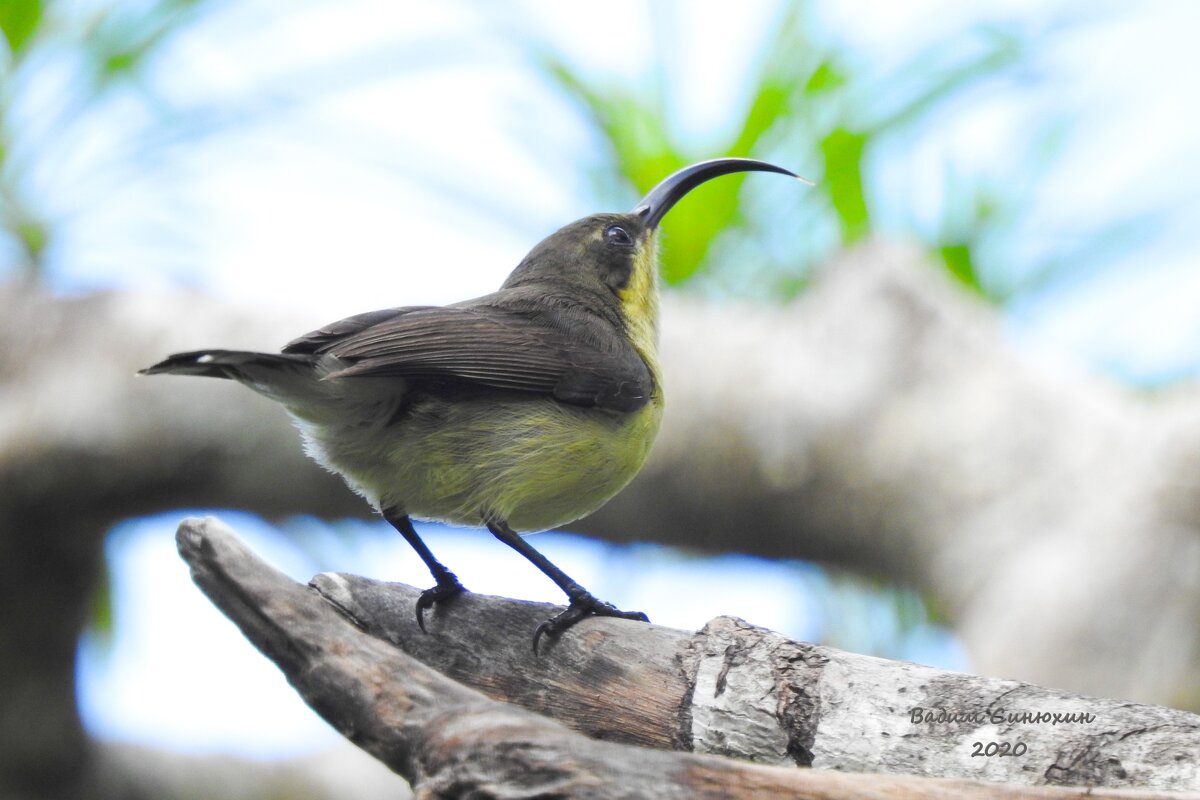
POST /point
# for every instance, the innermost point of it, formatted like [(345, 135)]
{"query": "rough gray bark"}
[(449, 740), (738, 690)]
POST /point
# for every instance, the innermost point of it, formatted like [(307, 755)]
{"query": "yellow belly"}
[(535, 463)]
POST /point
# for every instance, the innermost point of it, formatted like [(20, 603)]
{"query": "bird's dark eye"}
[(615, 234)]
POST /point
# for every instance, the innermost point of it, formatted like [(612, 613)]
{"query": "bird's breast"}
[(533, 461)]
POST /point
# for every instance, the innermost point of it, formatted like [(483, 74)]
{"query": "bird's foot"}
[(581, 607), (447, 586)]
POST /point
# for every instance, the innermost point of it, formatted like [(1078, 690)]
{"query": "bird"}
[(521, 410)]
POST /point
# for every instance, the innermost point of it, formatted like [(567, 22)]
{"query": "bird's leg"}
[(582, 603), (447, 582)]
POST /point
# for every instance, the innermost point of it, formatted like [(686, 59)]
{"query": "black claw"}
[(581, 608), (537, 635), (447, 587)]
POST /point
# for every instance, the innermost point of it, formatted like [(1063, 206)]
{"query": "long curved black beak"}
[(671, 189)]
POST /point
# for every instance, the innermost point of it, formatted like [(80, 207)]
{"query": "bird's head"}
[(610, 260)]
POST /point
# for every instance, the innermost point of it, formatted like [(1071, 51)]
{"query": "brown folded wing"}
[(548, 354)]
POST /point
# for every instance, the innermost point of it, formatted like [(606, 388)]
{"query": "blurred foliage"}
[(18, 20), (811, 107), (60, 61)]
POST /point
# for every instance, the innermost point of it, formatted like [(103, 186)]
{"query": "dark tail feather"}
[(223, 363)]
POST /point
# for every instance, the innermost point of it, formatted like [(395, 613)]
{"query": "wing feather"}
[(552, 353)]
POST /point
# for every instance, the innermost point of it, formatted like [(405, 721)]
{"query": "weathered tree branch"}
[(739, 690), (731, 688)]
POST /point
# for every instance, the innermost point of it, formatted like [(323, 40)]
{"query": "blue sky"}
[(272, 213)]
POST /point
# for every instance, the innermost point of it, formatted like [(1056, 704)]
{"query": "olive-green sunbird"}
[(523, 410)]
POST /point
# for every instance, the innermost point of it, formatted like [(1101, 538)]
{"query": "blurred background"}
[(176, 174)]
